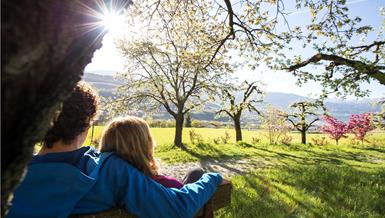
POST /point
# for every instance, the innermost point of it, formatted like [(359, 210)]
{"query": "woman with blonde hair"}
[(130, 138)]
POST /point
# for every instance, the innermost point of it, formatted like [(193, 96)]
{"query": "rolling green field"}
[(293, 180)]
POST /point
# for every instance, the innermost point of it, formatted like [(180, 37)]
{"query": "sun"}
[(109, 15), (113, 22)]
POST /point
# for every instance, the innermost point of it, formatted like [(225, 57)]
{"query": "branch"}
[(367, 47), (371, 70), (294, 124), (311, 123), (225, 111), (230, 34), (253, 108)]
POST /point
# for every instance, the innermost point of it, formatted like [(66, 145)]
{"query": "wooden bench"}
[(220, 199)]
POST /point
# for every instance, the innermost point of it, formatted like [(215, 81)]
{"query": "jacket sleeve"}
[(144, 197)]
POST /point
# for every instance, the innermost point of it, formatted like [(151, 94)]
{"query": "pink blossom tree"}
[(360, 124), (334, 128)]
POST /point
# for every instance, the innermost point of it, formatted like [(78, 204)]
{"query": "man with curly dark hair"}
[(75, 118), (66, 178)]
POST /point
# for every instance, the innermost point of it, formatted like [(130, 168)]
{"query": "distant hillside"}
[(106, 85), (282, 100), (341, 109)]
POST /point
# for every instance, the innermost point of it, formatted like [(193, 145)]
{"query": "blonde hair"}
[(130, 138)]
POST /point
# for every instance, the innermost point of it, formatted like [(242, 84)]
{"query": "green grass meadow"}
[(164, 136), (293, 180)]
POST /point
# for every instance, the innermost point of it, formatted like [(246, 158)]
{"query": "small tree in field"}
[(233, 107), (379, 118), (303, 116), (360, 124), (188, 122), (274, 122), (334, 128)]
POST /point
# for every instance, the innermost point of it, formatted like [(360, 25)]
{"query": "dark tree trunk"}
[(44, 52), (238, 130), (178, 130), (303, 136)]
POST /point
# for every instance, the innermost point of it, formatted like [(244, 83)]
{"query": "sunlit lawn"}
[(324, 189), (166, 135), (347, 180)]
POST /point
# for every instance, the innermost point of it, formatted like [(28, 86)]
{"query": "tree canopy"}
[(171, 65)]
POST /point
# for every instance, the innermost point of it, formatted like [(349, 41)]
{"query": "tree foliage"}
[(342, 64), (261, 31), (334, 128), (360, 125), (332, 33)]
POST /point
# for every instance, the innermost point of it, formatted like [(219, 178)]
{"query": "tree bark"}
[(178, 130), (303, 137), (238, 130), (44, 53)]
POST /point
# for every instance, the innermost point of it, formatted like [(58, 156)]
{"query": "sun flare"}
[(113, 22)]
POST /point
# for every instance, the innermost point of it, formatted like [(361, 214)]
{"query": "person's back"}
[(65, 179), (130, 138), (54, 186)]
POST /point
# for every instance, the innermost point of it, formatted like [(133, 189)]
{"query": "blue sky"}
[(108, 59)]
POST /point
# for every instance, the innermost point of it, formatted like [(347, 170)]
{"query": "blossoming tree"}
[(360, 125), (334, 128)]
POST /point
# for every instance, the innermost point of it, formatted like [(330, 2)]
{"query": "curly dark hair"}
[(78, 111)]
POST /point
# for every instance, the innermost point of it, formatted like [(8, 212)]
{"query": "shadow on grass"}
[(322, 190), (325, 155), (286, 157), (380, 150), (205, 151)]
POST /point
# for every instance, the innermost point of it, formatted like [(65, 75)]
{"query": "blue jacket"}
[(84, 181)]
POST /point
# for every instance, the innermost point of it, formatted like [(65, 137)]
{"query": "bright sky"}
[(108, 60)]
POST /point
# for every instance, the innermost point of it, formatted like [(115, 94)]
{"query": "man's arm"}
[(144, 197)]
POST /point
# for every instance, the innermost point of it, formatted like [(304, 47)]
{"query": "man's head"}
[(78, 111)]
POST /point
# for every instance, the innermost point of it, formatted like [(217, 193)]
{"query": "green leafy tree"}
[(303, 115), (233, 106), (170, 66)]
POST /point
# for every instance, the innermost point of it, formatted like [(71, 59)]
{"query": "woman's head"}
[(130, 138)]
